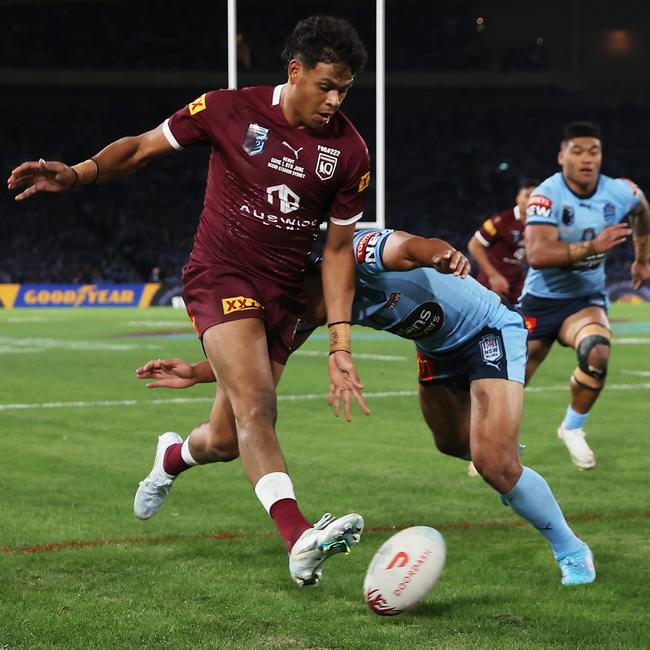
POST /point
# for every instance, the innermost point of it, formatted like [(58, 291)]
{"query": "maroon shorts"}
[(219, 295)]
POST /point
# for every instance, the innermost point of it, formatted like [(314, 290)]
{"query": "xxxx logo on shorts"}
[(239, 303)]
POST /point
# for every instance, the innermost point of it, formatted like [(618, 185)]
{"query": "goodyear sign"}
[(77, 295)]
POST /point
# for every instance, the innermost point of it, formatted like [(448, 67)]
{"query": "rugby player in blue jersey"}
[(573, 219), (471, 350)]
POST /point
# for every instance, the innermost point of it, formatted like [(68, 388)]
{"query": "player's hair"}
[(325, 39), (580, 130), (525, 183)]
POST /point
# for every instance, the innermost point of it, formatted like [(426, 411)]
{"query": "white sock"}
[(185, 452), (274, 487)]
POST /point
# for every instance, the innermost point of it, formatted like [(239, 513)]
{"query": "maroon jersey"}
[(269, 185), (503, 237)]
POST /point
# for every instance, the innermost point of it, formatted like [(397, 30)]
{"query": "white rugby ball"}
[(404, 570)]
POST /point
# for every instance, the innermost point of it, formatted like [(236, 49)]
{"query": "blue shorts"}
[(544, 316), (491, 354)]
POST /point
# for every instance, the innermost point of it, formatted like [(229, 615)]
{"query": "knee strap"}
[(588, 337)]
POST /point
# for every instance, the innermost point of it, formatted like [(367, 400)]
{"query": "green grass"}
[(68, 473)]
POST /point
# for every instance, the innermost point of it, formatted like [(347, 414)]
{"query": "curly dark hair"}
[(325, 39)]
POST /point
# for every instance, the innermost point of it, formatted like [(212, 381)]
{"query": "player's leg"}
[(497, 406), (588, 333), (210, 442), (538, 350), (239, 354), (447, 413)]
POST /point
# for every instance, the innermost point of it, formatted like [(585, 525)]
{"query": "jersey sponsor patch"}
[(424, 320), (530, 322), (365, 250), (539, 206), (198, 105), (255, 139), (364, 182), (239, 303), (426, 370), (568, 215), (489, 227)]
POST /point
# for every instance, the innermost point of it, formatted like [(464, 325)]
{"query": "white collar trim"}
[(277, 91), (516, 211)]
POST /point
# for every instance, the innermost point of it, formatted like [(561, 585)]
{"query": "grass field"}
[(78, 570)]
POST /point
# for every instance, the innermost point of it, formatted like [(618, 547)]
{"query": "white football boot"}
[(328, 537), (155, 486), (580, 452)]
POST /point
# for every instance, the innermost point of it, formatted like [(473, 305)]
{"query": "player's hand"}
[(610, 237), (170, 373), (640, 272), (41, 176), (344, 382), (499, 284), (451, 262)]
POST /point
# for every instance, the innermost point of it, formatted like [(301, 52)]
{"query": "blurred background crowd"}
[(476, 98)]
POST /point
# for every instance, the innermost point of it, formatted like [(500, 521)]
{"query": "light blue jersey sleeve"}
[(368, 248), (625, 193)]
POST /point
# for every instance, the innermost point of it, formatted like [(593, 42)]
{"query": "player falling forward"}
[(498, 247), (573, 220), (471, 352), (282, 159)]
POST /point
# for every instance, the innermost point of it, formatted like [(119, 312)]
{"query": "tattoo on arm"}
[(580, 251), (640, 224)]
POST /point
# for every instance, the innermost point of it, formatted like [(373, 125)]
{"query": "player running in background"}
[(283, 159), (498, 247), (573, 219), (471, 351)]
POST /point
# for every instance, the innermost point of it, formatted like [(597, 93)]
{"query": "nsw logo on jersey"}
[(255, 139), (365, 249), (609, 212), (422, 321), (539, 206), (490, 348)]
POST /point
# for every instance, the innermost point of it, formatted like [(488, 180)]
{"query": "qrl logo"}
[(289, 201), (399, 560)]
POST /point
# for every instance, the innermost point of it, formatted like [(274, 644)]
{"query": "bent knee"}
[(500, 471), (451, 447)]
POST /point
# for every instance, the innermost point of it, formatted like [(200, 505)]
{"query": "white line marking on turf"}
[(10, 344), (357, 355), (281, 398), (638, 373), (631, 341)]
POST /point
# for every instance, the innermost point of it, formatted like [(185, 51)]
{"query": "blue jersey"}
[(577, 218), (439, 312)]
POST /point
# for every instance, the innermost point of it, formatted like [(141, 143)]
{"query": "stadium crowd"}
[(447, 169)]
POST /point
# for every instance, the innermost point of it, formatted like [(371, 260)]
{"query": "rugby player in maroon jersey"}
[(498, 247), (282, 160)]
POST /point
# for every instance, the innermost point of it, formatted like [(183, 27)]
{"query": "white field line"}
[(631, 340), (357, 355), (281, 398)]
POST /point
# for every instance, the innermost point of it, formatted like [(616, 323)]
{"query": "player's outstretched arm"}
[(498, 282), (338, 273), (404, 252), (175, 373), (117, 159), (640, 224), (544, 248)]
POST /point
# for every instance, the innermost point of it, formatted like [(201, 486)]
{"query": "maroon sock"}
[(173, 462), (289, 520)]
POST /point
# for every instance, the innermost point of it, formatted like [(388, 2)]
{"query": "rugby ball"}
[(404, 570)]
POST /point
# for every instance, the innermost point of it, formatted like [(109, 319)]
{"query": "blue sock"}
[(573, 419), (532, 499)]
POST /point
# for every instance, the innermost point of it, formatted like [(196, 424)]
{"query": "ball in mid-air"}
[(404, 570)]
